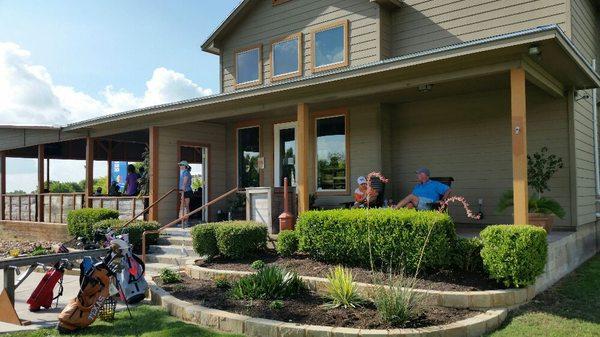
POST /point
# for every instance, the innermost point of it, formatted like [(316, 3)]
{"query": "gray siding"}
[(426, 24), (268, 22), (210, 134), (468, 137), (585, 28)]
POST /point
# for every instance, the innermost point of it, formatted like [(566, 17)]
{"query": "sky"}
[(65, 61)]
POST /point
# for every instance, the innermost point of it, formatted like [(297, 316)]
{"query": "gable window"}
[(248, 66), (286, 57), (248, 152), (332, 157), (330, 46)]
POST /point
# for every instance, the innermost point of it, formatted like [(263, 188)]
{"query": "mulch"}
[(444, 280), (306, 309)]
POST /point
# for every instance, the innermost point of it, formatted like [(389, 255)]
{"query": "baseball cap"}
[(423, 170), (361, 180), (184, 163)]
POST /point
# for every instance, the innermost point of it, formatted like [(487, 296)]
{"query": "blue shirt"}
[(432, 189), (188, 186)]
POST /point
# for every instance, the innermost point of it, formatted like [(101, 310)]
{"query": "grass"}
[(570, 308), (147, 322)]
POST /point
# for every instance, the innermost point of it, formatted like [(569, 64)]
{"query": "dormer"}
[(269, 41)]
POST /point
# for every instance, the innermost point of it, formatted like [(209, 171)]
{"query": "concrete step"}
[(179, 232), (175, 241), (187, 251), (173, 260), (154, 268)]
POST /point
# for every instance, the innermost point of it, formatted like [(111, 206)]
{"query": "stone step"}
[(155, 268), (175, 241), (179, 232), (187, 251), (173, 260)]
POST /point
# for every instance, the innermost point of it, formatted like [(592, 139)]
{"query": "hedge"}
[(80, 222), (397, 237), (467, 255), (287, 243), (233, 239), (514, 254), (134, 229)]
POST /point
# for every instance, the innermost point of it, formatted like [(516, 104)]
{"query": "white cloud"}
[(29, 95)]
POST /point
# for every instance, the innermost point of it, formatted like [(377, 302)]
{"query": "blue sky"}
[(63, 61)]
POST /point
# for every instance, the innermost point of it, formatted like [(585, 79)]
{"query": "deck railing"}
[(58, 205), (127, 206), (20, 207)]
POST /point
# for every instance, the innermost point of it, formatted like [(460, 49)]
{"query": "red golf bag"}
[(43, 295)]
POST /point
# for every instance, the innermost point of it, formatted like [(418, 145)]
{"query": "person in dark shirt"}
[(131, 182)]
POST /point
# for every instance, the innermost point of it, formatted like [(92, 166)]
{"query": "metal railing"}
[(150, 206), (183, 218)]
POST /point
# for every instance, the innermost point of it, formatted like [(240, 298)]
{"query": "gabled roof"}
[(244, 7)]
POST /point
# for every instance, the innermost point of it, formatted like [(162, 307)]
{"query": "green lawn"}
[(147, 321), (570, 308)]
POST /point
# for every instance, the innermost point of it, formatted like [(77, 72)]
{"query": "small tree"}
[(541, 166)]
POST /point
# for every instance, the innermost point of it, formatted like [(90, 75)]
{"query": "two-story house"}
[(324, 91)]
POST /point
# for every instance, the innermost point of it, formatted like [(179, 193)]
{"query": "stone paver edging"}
[(486, 299), (257, 327)]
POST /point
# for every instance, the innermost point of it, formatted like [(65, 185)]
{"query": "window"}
[(286, 58), (248, 152), (248, 66), (330, 47), (332, 159)]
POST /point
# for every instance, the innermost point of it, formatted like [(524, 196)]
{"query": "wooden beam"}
[(518, 106), (153, 172), (2, 185), (537, 75), (109, 164), (89, 171), (303, 119), (40, 201)]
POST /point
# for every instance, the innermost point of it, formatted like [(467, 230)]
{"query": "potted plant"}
[(541, 166)]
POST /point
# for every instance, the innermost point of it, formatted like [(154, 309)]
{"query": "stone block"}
[(457, 329), (475, 326), (258, 327), (456, 299), (230, 322), (318, 331), (292, 330), (209, 318), (344, 332), (192, 314), (480, 299), (404, 333), (373, 333)]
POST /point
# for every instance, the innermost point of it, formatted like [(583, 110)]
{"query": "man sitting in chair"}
[(426, 193)]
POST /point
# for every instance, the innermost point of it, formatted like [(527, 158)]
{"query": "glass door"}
[(285, 154)]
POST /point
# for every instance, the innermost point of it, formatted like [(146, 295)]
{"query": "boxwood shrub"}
[(514, 254), (240, 239), (204, 240), (134, 229), (80, 222), (397, 237), (287, 243), (467, 255)]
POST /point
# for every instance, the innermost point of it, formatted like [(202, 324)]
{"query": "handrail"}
[(149, 207), (174, 222)]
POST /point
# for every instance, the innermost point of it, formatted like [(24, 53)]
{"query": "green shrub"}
[(258, 265), (396, 301), (467, 255), (269, 283), (240, 239), (287, 243), (341, 289), (204, 240), (169, 276), (221, 282), (276, 305), (397, 237), (38, 251), (134, 230), (80, 222), (514, 254)]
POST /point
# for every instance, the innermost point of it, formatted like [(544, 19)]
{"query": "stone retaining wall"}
[(257, 327), (36, 230)]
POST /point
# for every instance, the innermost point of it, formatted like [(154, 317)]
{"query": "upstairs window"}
[(286, 57), (248, 66), (330, 46)]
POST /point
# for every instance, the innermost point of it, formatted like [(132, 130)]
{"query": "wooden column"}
[(40, 200), (303, 157), (518, 110), (109, 168), (153, 172), (2, 185), (89, 171)]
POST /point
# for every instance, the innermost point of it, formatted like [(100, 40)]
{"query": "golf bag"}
[(43, 295), (132, 284), (83, 310)]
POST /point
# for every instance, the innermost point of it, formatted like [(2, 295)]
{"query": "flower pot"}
[(541, 220)]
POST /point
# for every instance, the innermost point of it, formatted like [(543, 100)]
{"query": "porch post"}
[(109, 167), (153, 172), (40, 201), (89, 171), (519, 145), (303, 157), (2, 185)]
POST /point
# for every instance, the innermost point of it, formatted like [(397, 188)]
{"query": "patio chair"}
[(444, 180)]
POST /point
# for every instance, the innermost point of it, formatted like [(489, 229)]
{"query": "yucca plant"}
[(397, 302), (341, 289), (270, 282)]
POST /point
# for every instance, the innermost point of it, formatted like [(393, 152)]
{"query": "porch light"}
[(581, 94), (425, 87), (535, 51)]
